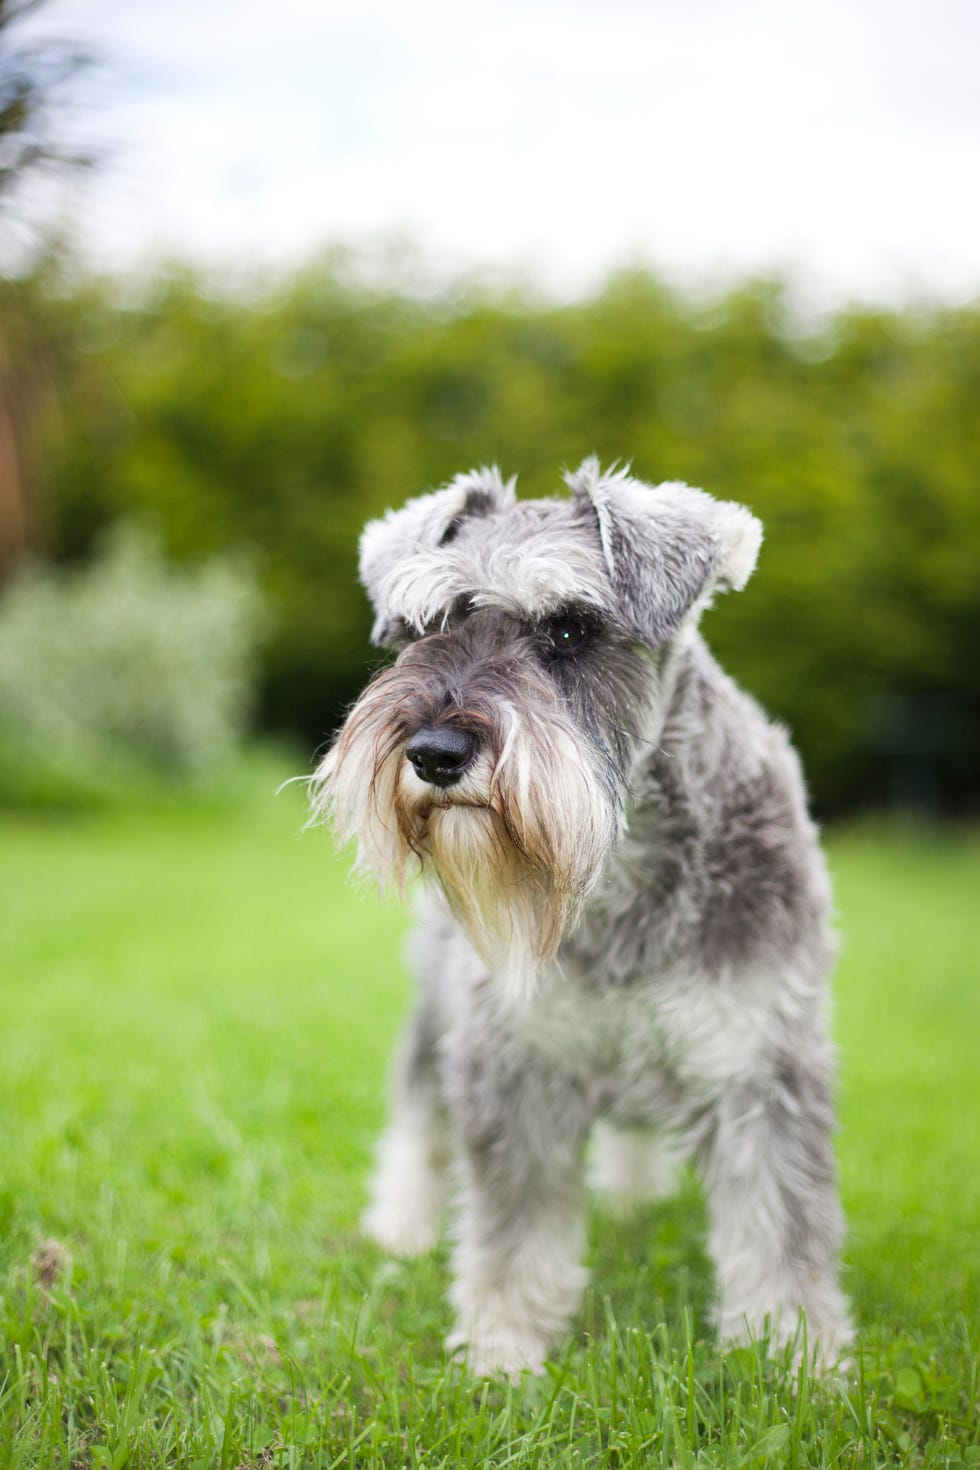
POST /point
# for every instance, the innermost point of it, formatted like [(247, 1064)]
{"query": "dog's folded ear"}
[(668, 547), (398, 538)]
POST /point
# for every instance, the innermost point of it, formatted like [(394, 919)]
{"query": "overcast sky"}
[(837, 137)]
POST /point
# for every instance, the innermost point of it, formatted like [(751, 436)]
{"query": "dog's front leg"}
[(520, 1231), (410, 1177), (775, 1222)]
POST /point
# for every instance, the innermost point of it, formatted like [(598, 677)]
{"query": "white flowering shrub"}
[(130, 657)]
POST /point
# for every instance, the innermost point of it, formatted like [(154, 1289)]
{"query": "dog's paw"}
[(400, 1230), (824, 1341), (498, 1349), (407, 1194)]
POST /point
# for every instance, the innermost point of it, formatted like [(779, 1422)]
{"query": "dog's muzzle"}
[(439, 754)]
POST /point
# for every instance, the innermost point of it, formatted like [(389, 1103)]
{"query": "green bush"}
[(127, 661), (281, 421)]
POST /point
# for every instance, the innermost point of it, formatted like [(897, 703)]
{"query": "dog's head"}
[(495, 753)]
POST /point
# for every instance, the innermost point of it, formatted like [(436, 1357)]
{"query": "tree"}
[(35, 81)]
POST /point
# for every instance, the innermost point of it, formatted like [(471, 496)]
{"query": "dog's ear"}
[(668, 547), (401, 539)]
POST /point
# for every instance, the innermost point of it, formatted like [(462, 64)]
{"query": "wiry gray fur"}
[(632, 925)]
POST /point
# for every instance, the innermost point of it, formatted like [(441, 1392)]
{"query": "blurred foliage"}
[(36, 82), (281, 419), (126, 663)]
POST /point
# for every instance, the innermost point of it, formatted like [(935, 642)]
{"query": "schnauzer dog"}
[(628, 923)]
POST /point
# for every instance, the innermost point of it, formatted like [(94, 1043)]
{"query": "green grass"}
[(197, 1018)]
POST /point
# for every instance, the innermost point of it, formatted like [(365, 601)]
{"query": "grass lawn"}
[(197, 1019)]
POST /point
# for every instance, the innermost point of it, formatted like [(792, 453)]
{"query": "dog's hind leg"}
[(408, 1190), (775, 1222), (629, 1167)]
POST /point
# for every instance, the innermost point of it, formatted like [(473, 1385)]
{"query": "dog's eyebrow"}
[(530, 578)]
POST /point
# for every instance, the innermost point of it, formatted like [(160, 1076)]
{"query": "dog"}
[(625, 929)]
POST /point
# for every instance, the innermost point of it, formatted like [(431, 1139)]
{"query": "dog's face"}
[(495, 753)]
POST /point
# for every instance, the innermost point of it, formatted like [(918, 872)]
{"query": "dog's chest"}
[(641, 921), (655, 1045)]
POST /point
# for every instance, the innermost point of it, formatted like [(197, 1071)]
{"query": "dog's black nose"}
[(440, 754)]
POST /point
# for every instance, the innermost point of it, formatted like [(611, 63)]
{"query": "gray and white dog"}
[(627, 928)]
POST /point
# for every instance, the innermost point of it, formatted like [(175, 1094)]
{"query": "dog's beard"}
[(516, 846)]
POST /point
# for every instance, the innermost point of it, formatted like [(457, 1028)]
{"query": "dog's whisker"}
[(307, 781), (639, 739)]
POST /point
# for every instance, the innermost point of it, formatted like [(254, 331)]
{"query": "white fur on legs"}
[(761, 1295), (408, 1190), (631, 1166), (511, 1307), (775, 1224)]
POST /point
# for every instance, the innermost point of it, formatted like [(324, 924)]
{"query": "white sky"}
[(840, 138)]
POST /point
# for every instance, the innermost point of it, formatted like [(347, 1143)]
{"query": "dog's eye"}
[(566, 634)]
